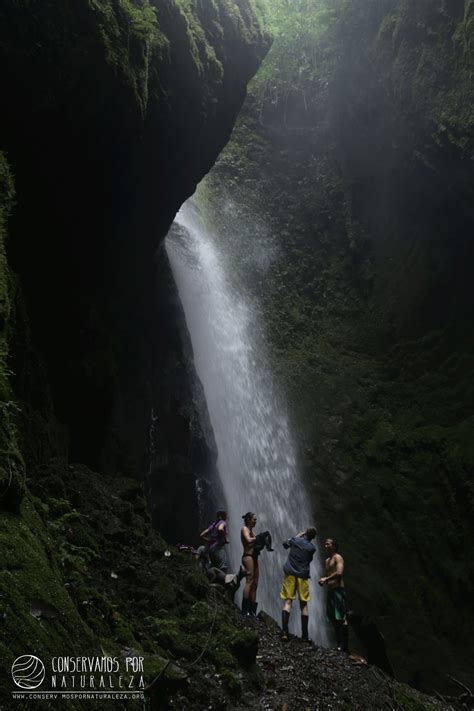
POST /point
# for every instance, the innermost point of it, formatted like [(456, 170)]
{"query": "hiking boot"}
[(285, 637), (304, 627), (253, 609), (344, 639), (246, 609)]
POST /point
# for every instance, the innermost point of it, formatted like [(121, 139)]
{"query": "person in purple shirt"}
[(216, 538)]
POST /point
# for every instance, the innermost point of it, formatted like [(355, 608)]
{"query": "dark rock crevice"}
[(108, 130), (181, 480), (111, 113)]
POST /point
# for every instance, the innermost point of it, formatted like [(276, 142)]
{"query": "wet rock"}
[(244, 647), (42, 609), (302, 676)]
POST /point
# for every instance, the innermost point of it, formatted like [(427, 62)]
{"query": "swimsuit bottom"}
[(336, 604)]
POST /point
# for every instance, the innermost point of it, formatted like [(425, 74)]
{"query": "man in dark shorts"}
[(296, 571), (216, 538), (336, 600)]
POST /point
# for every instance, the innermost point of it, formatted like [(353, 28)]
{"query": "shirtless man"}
[(336, 599)]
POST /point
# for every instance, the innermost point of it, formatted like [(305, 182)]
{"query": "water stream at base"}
[(256, 457)]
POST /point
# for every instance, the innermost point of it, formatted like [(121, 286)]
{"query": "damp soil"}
[(300, 676)]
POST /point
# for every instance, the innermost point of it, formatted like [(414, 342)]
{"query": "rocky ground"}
[(126, 590), (299, 675)]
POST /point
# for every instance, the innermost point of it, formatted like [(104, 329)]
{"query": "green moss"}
[(378, 382), (11, 461), (203, 53), (232, 682), (122, 631), (125, 69), (112, 592), (30, 573), (244, 646), (409, 702)]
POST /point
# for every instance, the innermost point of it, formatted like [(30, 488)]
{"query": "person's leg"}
[(254, 585), (341, 620), (287, 594), (304, 620), (219, 559), (343, 630), (249, 564), (253, 591), (203, 558), (285, 617), (336, 612), (303, 594), (331, 615)]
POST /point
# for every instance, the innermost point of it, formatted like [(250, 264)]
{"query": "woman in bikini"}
[(250, 563)]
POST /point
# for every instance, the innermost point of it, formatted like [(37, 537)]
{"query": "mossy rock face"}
[(30, 574), (148, 91), (113, 104), (244, 646), (67, 587), (12, 468), (351, 170)]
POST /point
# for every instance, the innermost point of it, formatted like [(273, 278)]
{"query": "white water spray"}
[(256, 457)]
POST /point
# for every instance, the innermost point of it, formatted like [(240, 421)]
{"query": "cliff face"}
[(112, 111), (354, 152)]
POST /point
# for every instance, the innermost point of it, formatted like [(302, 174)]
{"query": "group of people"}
[(296, 570)]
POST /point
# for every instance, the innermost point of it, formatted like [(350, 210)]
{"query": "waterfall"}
[(256, 456)]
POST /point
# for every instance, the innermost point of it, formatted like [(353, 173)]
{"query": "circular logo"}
[(28, 671)]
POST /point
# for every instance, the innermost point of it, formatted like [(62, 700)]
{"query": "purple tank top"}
[(216, 537)]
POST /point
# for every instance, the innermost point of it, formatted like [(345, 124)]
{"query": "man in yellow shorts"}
[(296, 571)]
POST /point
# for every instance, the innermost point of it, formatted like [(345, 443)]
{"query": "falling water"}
[(256, 457)]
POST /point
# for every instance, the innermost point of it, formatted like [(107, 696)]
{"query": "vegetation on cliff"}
[(11, 460), (352, 162), (355, 149), (111, 113), (86, 575)]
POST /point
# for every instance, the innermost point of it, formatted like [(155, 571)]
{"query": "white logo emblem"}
[(28, 671)]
